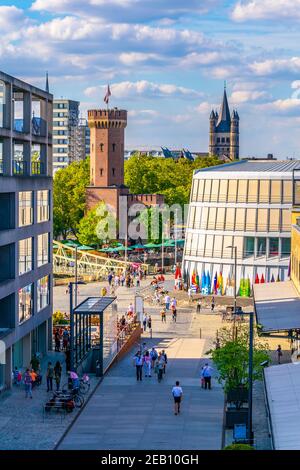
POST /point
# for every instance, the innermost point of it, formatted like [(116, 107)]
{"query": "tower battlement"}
[(107, 118)]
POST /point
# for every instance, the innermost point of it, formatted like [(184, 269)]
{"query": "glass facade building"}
[(246, 205)]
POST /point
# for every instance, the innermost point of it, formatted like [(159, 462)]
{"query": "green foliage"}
[(58, 318), (92, 227), (232, 358), (239, 447), (165, 176), (151, 219), (69, 197)]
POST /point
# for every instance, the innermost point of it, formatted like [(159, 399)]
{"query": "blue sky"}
[(166, 62)]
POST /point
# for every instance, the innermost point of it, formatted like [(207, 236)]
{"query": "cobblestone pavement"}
[(22, 422)]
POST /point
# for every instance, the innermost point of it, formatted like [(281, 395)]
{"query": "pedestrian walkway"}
[(126, 414)]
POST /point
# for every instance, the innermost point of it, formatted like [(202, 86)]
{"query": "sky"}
[(166, 62)]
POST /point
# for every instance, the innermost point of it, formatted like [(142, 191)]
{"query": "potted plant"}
[(232, 362)]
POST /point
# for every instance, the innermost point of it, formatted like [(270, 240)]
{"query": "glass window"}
[(212, 218), (223, 191), (240, 219), (192, 216), (195, 190), (242, 191), (296, 192), (194, 244), (200, 190), (287, 192), (251, 220), (286, 220), (43, 298), (261, 246), (43, 249), (188, 244), (239, 242), (229, 221), (215, 191), (2, 103), (25, 256), (274, 220), (25, 208), (275, 192), (218, 246), (1, 156), (207, 191), (227, 252), (209, 245), (232, 191), (262, 220), (285, 247), (273, 247), (25, 303), (249, 247), (204, 218), (43, 206), (253, 191), (220, 218), (197, 220), (264, 191), (201, 243)]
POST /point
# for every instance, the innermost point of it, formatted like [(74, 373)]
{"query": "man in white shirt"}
[(167, 301), (138, 363), (177, 395), (206, 374)]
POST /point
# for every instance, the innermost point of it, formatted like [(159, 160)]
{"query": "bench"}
[(58, 406)]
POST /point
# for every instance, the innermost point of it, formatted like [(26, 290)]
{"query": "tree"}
[(232, 358), (97, 225), (69, 197)]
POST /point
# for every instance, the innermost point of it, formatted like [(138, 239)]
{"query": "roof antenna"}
[(47, 82)]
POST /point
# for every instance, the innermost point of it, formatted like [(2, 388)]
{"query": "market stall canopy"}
[(277, 306), (152, 245), (84, 247), (138, 247)]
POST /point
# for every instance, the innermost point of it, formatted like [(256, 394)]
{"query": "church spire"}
[(47, 83), (224, 111)]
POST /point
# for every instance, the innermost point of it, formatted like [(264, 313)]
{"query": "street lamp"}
[(250, 380), (72, 322), (235, 269)]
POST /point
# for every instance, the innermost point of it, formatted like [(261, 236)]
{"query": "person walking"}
[(199, 306), (57, 340), (145, 321), (154, 356), (167, 301), (212, 304), (206, 374), (190, 294), (147, 364), (279, 354), (163, 316), (177, 395), (165, 360), (174, 313), (159, 368), (28, 384), (149, 323), (50, 375), (57, 374), (138, 362)]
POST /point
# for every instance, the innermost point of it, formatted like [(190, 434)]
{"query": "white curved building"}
[(247, 205)]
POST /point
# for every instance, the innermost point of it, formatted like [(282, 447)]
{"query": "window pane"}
[(207, 190), (251, 220), (204, 218), (191, 216), (43, 249), (220, 218), (274, 220), (276, 192), (232, 191), (215, 191), (218, 246), (229, 221), (261, 246), (200, 191), (274, 247), (223, 191), (188, 244), (286, 220), (209, 245), (201, 242), (240, 219), (287, 192), (249, 247), (194, 244), (43, 208), (25, 256), (212, 218), (195, 190), (262, 220), (285, 247), (2, 103), (264, 190), (242, 190), (197, 221), (25, 208), (253, 191), (25, 303), (238, 242), (227, 252), (42, 293)]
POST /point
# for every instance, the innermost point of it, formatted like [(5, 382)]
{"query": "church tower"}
[(224, 132)]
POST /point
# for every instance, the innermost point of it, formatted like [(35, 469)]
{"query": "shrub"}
[(239, 447)]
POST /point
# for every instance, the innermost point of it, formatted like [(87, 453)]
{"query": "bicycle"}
[(73, 394)]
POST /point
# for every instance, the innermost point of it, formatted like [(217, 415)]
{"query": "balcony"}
[(19, 167)]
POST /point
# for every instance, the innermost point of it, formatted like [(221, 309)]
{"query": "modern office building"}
[(25, 223), (247, 205), (71, 134)]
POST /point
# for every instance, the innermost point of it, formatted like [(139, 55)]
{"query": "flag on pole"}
[(107, 95)]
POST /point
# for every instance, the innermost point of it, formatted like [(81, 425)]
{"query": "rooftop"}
[(249, 166)]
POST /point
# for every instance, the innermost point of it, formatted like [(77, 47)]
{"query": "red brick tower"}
[(107, 157)]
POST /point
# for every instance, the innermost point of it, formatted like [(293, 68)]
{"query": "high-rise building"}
[(224, 132), (25, 223)]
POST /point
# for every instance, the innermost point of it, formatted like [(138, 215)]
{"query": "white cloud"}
[(205, 108), (243, 96), (143, 88), (266, 9), (288, 107), (275, 66), (133, 58), (204, 58)]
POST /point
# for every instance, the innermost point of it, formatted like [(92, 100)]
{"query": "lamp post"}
[(250, 380), (235, 270), (76, 276), (72, 322)]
